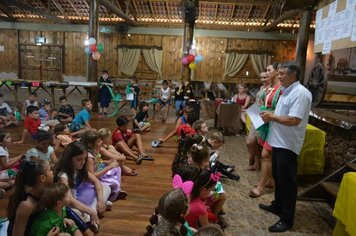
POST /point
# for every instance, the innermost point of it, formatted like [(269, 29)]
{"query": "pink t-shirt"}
[(197, 209)]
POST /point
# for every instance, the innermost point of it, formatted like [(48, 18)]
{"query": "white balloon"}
[(92, 41)]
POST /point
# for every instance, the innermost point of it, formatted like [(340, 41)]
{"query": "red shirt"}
[(197, 208), (186, 129), (32, 125), (118, 136)]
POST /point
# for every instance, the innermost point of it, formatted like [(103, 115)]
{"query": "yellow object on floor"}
[(345, 206), (311, 158)]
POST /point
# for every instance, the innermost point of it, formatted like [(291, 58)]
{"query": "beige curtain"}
[(260, 62), (153, 58), (128, 60), (234, 63)]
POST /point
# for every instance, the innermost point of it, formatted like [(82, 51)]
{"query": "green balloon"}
[(100, 47)]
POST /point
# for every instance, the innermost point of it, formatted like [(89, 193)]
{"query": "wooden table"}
[(227, 116)]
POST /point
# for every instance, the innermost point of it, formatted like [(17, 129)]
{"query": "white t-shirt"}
[(73, 191), (28, 103), (4, 152), (34, 152), (5, 110), (165, 93)]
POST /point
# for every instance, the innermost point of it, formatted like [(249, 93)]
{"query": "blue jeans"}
[(179, 105)]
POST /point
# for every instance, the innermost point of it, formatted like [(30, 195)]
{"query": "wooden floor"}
[(130, 216)]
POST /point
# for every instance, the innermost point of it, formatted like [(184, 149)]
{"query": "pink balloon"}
[(95, 55), (185, 61)]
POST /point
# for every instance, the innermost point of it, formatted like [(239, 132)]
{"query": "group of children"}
[(198, 196), (88, 164)]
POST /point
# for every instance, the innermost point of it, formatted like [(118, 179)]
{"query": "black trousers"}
[(284, 169)]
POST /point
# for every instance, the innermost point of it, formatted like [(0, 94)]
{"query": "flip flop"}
[(139, 160), (147, 158)]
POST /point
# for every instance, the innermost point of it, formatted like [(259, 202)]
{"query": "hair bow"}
[(197, 146), (216, 177), (186, 186)]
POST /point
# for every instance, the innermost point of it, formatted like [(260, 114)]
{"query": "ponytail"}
[(27, 176)]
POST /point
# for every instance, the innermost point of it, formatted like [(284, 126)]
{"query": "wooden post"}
[(190, 14), (187, 45), (302, 42), (92, 68)]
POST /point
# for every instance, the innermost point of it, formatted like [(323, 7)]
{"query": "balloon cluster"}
[(192, 59), (94, 49)]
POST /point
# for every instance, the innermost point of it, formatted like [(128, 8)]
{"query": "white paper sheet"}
[(353, 35), (327, 46), (254, 114), (348, 20)]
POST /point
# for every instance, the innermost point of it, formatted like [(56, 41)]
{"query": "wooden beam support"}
[(27, 7), (287, 15), (92, 65), (302, 42), (59, 7), (118, 12)]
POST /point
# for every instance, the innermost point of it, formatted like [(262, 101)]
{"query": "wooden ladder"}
[(327, 188)]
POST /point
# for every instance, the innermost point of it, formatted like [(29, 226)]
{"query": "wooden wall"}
[(212, 49)]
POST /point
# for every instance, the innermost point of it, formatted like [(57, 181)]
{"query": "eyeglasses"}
[(263, 77)]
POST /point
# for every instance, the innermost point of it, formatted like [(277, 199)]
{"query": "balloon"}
[(93, 48), (190, 58), (95, 56), (100, 47), (185, 61), (192, 51), (192, 65), (91, 41), (196, 61), (199, 57), (87, 50)]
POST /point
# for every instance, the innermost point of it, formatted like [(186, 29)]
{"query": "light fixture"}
[(39, 40)]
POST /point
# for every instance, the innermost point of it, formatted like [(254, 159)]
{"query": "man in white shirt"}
[(287, 132)]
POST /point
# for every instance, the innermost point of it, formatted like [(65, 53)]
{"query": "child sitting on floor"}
[(168, 218), (65, 112), (140, 121), (47, 114), (108, 151), (198, 212), (7, 117), (83, 117), (8, 166), (63, 137), (31, 124), (183, 128), (200, 127), (87, 194), (31, 101), (107, 171), (54, 219), (43, 149), (124, 140)]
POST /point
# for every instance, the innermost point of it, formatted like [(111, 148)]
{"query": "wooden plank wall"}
[(211, 69)]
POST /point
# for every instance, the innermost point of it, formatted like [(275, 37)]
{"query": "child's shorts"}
[(74, 127), (162, 103)]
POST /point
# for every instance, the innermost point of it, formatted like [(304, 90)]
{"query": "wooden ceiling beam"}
[(168, 12), (118, 12), (36, 11), (249, 12), (216, 12), (60, 9), (74, 8), (287, 15), (133, 8), (6, 10)]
